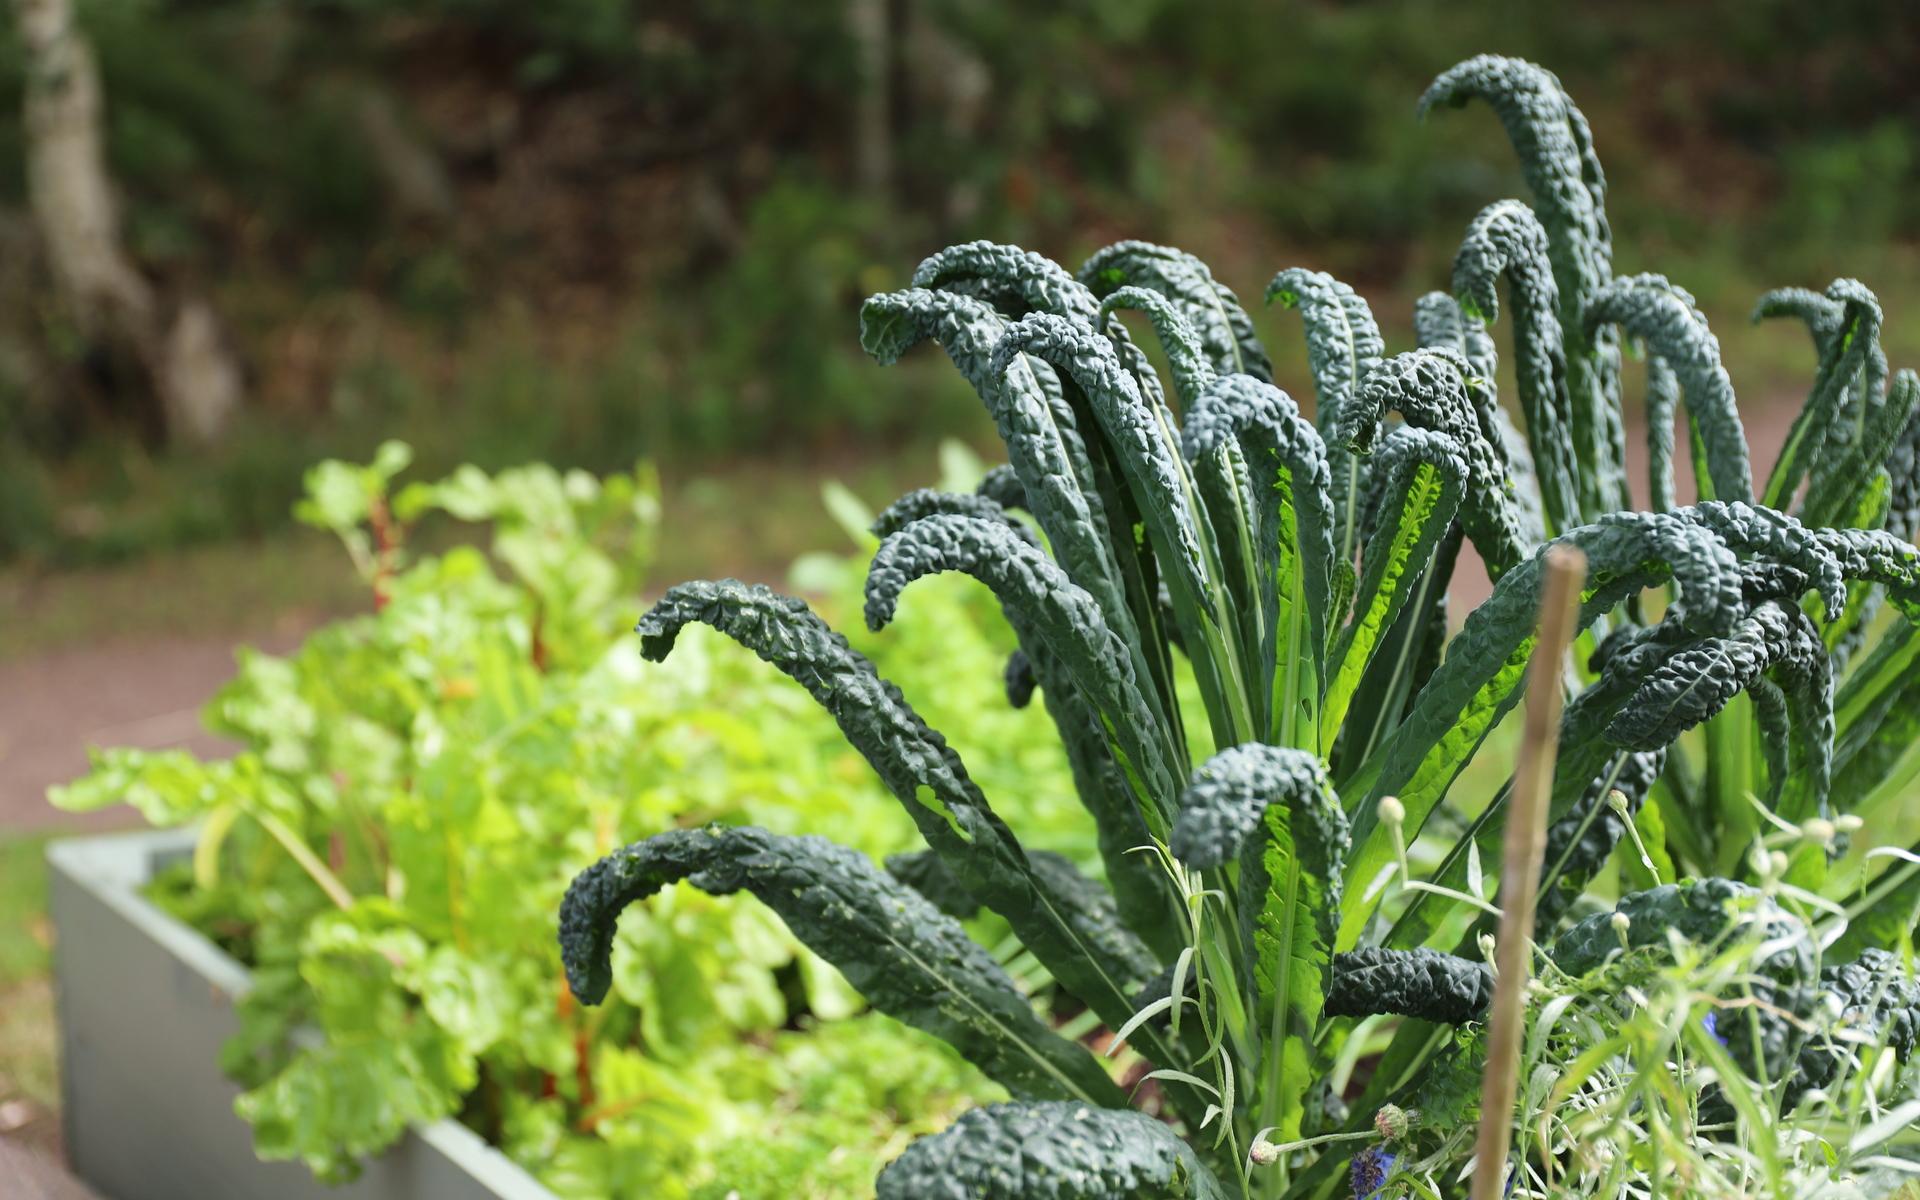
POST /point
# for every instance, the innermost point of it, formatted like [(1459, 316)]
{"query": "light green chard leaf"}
[(1507, 240), (1666, 318), (916, 765), (1053, 1151), (907, 958), (1270, 808), (1555, 148), (1343, 347), (1414, 490), (1433, 389), (1212, 310)]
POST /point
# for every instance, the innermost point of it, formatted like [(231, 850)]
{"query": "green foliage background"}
[(656, 240)]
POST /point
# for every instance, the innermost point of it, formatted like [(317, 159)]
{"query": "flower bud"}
[(1263, 1154), (1617, 801), (1391, 1122), (1621, 922), (1849, 823), (1818, 830), (1392, 811)]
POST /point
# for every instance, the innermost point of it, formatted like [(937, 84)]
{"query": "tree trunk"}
[(868, 27), (183, 355)]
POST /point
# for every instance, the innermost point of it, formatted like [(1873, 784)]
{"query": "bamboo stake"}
[(1526, 843)]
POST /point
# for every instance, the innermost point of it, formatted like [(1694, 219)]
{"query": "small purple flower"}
[(1370, 1170), (1713, 1027)]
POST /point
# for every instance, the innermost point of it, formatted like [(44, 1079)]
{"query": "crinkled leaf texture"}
[(1715, 913), (1418, 983), (907, 958), (1877, 1001), (1055, 1151), (1080, 948)]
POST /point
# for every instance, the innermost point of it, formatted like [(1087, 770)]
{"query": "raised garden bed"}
[(145, 1003)]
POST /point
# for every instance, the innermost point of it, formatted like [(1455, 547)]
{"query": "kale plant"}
[(1205, 566)]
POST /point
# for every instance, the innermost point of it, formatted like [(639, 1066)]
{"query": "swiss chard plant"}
[(413, 788), (1235, 616)]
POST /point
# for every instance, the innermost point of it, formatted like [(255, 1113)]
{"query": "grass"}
[(748, 519), (29, 1071)]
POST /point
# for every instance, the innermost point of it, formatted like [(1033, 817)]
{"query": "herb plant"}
[(1291, 940), (415, 787)]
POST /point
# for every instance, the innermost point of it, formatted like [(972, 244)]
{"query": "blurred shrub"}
[(722, 304)]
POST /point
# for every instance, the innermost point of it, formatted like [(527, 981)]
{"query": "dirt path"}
[(144, 693)]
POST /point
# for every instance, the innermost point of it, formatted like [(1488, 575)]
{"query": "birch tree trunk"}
[(183, 353)]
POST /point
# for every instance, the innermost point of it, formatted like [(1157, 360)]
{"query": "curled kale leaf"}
[(1050, 1151), (1223, 328), (1506, 239), (1422, 983), (906, 957)]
